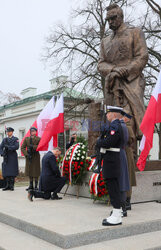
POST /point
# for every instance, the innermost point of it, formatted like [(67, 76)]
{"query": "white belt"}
[(103, 150)]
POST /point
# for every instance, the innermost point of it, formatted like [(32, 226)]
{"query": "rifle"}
[(98, 154), (30, 151), (5, 150), (98, 161)]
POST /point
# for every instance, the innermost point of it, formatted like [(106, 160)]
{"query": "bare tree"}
[(75, 49), (151, 23), (151, 26)]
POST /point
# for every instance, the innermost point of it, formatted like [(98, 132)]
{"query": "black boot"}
[(54, 196), (36, 184), (30, 186), (12, 182), (7, 187), (30, 194), (128, 204), (124, 211)]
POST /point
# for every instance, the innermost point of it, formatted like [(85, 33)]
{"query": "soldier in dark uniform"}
[(72, 141), (130, 158), (50, 179), (8, 149), (28, 148), (124, 175), (110, 147)]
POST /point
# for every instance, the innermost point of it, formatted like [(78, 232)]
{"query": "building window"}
[(21, 134)]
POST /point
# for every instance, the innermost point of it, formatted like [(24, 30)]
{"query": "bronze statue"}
[(123, 56)]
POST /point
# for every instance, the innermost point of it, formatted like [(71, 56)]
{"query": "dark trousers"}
[(114, 191), (123, 196), (41, 194), (59, 184)]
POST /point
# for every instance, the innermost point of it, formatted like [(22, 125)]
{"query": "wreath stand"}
[(67, 190)]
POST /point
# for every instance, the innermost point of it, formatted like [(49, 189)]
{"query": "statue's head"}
[(114, 16)]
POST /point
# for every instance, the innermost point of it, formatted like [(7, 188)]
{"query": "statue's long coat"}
[(127, 48)]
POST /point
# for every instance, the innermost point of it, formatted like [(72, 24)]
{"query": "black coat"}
[(111, 160), (50, 173), (124, 175), (10, 159)]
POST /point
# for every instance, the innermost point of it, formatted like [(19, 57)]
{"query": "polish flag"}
[(152, 116), (53, 126), (44, 119)]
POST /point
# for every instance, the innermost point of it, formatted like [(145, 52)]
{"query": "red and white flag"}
[(53, 127), (151, 117), (49, 122)]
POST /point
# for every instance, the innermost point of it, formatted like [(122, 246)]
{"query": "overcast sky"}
[(24, 24)]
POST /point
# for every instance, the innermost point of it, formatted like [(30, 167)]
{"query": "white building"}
[(21, 114)]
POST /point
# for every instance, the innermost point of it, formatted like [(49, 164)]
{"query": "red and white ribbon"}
[(71, 159), (64, 161), (92, 163), (93, 183)]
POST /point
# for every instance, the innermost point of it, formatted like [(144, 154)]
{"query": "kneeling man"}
[(50, 179)]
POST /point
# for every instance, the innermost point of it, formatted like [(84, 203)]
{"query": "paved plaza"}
[(74, 223)]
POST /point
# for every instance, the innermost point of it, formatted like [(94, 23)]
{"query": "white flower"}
[(74, 158), (78, 154), (84, 152), (82, 157), (77, 158)]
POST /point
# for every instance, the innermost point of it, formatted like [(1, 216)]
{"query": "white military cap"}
[(113, 109)]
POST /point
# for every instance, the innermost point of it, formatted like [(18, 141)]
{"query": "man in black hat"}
[(72, 140), (8, 149), (110, 147), (28, 148)]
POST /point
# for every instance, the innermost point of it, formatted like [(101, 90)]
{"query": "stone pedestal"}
[(148, 187)]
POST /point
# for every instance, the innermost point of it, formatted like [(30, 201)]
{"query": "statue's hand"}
[(110, 79), (122, 71)]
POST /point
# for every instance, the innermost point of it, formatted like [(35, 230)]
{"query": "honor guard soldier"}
[(8, 149), (110, 147), (130, 158), (72, 141), (124, 174), (50, 179), (28, 148)]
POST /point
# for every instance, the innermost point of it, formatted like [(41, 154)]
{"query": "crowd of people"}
[(50, 182), (115, 145)]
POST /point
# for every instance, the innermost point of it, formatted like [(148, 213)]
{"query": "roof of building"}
[(68, 93)]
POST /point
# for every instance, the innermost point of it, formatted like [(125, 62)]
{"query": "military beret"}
[(114, 109), (9, 129), (33, 128)]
